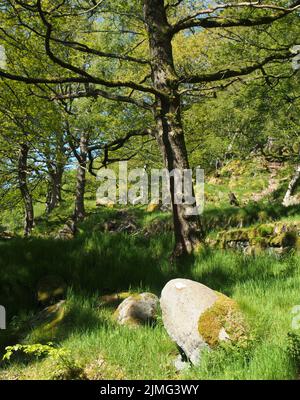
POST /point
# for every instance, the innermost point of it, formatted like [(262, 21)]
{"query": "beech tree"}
[(129, 57)]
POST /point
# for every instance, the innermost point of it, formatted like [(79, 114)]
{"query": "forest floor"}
[(91, 345)]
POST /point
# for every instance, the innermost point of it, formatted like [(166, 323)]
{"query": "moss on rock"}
[(261, 237), (137, 309), (153, 207), (265, 230), (51, 289), (114, 299), (286, 239), (223, 321)]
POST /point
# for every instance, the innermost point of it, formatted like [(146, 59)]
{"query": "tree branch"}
[(231, 73), (113, 146), (224, 22), (89, 92)]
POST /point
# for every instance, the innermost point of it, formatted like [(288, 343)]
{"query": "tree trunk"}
[(79, 212), (291, 188), (170, 135), (26, 195), (54, 193)]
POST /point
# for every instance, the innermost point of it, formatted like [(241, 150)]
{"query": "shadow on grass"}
[(103, 263)]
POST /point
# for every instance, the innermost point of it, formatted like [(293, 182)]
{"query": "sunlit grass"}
[(265, 287)]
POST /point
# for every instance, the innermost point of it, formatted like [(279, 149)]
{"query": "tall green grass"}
[(266, 288)]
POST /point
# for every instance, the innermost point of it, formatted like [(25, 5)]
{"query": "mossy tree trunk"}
[(79, 212), (170, 135), (25, 192), (54, 193)]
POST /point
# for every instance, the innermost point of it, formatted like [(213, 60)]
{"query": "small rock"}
[(67, 232), (123, 223), (105, 203), (152, 207), (137, 309), (50, 316), (6, 235), (180, 364), (51, 289)]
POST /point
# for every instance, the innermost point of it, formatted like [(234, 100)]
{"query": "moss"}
[(265, 230), (223, 314), (57, 314), (262, 216), (47, 323), (252, 233), (262, 236), (114, 299), (153, 207), (260, 242), (286, 239), (51, 288), (233, 235)]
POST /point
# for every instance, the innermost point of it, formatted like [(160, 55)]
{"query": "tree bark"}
[(291, 188), (56, 160), (25, 192), (79, 212), (54, 192), (170, 135)]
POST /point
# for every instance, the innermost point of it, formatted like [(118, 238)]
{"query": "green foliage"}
[(64, 366), (294, 347), (37, 350)]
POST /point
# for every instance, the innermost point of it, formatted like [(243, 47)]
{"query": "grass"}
[(265, 287), (96, 263)]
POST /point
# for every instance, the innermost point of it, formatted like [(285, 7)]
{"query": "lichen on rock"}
[(137, 309)]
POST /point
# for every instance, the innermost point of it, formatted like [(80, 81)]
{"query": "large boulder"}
[(197, 317), (137, 309)]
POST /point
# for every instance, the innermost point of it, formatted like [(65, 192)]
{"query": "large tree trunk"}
[(170, 135), (79, 212), (54, 193), (26, 195), (291, 188)]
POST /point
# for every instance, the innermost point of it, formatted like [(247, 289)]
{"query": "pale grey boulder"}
[(197, 317), (137, 309), (182, 302)]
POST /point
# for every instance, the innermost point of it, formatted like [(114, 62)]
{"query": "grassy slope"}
[(267, 288)]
